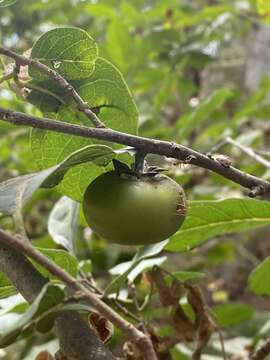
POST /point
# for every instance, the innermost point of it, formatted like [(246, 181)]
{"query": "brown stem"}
[(256, 185), (29, 282), (143, 341), (60, 80)]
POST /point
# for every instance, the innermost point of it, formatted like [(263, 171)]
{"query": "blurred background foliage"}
[(199, 72)]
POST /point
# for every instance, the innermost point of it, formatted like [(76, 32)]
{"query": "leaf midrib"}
[(222, 223)]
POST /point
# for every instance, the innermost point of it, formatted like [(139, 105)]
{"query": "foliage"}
[(171, 70)]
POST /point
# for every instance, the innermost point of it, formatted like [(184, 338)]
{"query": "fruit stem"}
[(139, 162)]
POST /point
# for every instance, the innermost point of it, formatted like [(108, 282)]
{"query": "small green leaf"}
[(85, 266), (19, 308), (150, 250), (189, 122), (207, 219), (259, 279), (49, 297), (231, 314), (60, 257), (119, 45), (63, 221)]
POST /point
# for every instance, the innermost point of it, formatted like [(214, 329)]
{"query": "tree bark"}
[(77, 340)]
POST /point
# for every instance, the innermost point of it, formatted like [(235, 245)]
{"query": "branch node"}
[(257, 191)]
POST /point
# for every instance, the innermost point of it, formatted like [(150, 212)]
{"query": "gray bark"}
[(77, 340)]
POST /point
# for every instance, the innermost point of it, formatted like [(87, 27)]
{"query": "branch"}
[(69, 325), (26, 279), (77, 340), (256, 185), (143, 341), (245, 149), (60, 80)]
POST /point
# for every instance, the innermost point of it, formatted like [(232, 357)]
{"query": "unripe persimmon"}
[(131, 210)]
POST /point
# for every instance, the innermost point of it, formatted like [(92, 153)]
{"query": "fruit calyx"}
[(123, 169)]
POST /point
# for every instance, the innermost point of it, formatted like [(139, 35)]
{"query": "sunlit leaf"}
[(49, 297), (14, 193), (208, 219)]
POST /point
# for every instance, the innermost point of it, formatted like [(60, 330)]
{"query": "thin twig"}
[(60, 80), (143, 341), (245, 149), (256, 185), (125, 311), (250, 152)]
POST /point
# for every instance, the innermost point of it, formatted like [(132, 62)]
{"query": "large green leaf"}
[(105, 90), (70, 51), (49, 297), (259, 279), (14, 193), (207, 219)]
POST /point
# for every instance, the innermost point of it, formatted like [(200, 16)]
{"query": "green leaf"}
[(49, 297), (119, 45), (46, 95), (74, 54), (259, 279), (187, 123), (231, 314), (6, 291), (14, 193), (60, 257), (4, 3), (63, 222), (70, 51), (104, 90), (145, 265), (85, 266), (20, 308), (255, 100), (6, 287), (150, 250), (207, 219), (124, 269)]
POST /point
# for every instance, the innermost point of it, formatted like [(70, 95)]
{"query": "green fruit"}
[(128, 210)]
